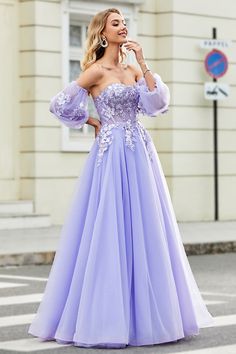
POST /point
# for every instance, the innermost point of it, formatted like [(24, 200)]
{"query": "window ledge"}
[(126, 2)]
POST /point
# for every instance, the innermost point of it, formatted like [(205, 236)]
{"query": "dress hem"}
[(111, 345)]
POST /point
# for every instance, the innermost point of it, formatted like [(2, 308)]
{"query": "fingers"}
[(131, 46), (97, 130)]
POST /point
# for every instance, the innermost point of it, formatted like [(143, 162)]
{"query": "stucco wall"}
[(170, 32), (9, 88)]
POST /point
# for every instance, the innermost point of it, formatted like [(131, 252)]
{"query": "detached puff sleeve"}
[(70, 105), (153, 102)]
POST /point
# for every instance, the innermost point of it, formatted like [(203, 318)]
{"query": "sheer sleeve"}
[(153, 103), (70, 105)]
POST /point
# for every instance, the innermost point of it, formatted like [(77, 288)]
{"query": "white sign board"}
[(216, 91), (215, 43)]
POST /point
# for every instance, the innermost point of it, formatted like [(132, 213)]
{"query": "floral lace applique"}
[(78, 112), (105, 137), (117, 102), (118, 105), (147, 139), (62, 99), (131, 129)]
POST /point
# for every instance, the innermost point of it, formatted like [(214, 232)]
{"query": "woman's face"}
[(115, 29)]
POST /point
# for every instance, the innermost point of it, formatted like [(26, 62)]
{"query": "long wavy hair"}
[(94, 50)]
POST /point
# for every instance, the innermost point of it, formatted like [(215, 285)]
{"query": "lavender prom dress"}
[(120, 276)]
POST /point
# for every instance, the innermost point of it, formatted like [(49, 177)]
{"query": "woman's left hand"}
[(136, 47)]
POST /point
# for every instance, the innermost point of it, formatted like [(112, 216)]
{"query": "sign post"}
[(216, 65), (215, 128)]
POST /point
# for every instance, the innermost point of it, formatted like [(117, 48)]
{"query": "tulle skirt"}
[(120, 276)]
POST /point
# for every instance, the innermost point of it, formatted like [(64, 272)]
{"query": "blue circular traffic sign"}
[(216, 63)]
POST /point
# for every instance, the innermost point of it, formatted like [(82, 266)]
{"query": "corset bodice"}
[(117, 103), (117, 106)]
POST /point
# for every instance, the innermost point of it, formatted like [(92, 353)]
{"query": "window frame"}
[(84, 11)]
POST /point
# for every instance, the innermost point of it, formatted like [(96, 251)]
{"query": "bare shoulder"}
[(137, 72), (90, 76)]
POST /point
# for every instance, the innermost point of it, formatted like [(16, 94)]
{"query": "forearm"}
[(93, 122), (148, 76)]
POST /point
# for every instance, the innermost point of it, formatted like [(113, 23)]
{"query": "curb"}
[(30, 258), (193, 249), (46, 258)]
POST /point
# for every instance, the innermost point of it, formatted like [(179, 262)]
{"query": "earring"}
[(103, 42)]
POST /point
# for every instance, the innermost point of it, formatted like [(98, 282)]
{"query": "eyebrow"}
[(117, 19)]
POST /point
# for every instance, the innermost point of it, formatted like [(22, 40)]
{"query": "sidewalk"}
[(37, 246)]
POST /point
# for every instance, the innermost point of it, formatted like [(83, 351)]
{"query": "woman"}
[(120, 276)]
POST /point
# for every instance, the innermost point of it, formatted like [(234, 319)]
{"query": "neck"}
[(111, 55)]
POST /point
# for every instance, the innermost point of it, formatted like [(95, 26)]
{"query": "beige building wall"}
[(184, 138), (47, 174), (33, 165), (9, 114)]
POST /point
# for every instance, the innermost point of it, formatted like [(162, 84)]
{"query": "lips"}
[(123, 33)]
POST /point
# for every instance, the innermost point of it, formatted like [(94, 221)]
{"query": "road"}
[(21, 289)]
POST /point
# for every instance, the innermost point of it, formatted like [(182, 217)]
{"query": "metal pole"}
[(216, 216)]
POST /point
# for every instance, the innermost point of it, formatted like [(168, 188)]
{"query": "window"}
[(76, 17)]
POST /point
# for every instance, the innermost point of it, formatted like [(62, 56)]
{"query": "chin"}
[(124, 40)]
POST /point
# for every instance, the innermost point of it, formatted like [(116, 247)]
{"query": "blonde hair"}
[(94, 50)]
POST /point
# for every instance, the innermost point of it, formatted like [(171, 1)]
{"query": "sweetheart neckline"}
[(115, 83)]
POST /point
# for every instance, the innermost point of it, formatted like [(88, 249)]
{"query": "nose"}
[(124, 27)]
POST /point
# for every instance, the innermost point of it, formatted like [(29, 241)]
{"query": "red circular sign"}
[(216, 63)]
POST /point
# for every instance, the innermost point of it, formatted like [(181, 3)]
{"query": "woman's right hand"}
[(97, 129), (94, 123)]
